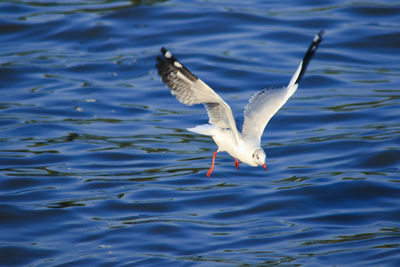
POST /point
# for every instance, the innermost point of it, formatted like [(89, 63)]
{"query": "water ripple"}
[(96, 167)]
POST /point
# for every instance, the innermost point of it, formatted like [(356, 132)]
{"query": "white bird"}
[(245, 146)]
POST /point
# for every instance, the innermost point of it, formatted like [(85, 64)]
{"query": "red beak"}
[(265, 167)]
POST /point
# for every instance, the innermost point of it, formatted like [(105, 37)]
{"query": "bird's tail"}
[(306, 59), (205, 129)]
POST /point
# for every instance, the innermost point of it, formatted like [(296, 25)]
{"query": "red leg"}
[(212, 164), (236, 163)]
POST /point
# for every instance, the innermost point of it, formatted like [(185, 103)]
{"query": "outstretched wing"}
[(264, 104), (190, 90)]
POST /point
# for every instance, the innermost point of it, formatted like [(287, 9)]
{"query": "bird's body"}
[(246, 145), (224, 138)]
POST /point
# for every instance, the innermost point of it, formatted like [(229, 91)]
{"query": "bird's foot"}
[(210, 171), (236, 163)]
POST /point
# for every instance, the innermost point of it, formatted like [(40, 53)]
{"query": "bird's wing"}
[(264, 104), (190, 90)]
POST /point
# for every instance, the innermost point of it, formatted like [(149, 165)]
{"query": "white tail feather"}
[(206, 129)]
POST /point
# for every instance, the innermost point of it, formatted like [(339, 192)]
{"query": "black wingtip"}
[(310, 53), (167, 62), (317, 38)]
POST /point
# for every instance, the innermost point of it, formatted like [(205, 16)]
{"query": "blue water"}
[(97, 169)]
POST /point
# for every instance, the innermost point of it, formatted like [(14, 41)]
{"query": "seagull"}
[(246, 145)]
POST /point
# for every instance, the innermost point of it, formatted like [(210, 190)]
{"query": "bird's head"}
[(259, 157)]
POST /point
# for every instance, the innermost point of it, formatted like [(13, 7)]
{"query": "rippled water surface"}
[(97, 169)]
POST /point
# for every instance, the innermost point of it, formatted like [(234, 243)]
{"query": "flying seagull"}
[(246, 145)]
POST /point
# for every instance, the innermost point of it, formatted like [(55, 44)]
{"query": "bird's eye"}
[(255, 155)]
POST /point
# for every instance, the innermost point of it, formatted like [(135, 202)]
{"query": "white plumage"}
[(245, 146)]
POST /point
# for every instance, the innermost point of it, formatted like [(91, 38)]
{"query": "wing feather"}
[(261, 108), (190, 90), (264, 104)]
